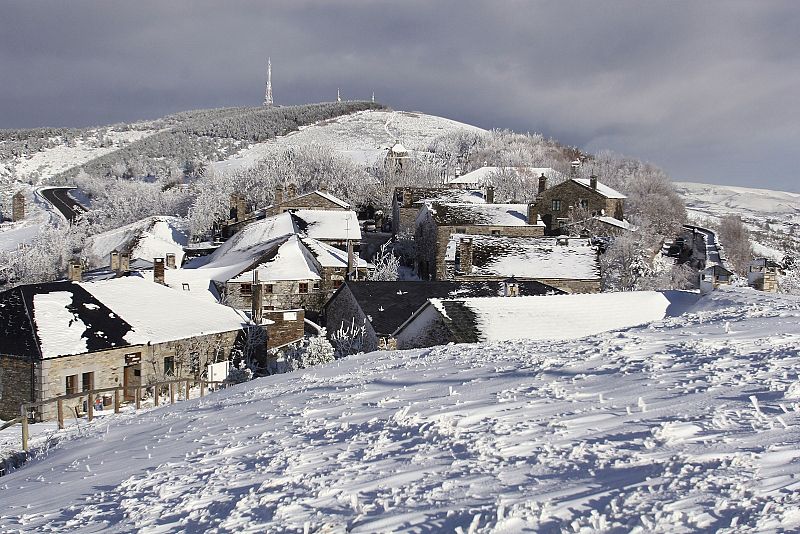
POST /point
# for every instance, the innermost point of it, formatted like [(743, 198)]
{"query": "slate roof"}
[(390, 304), (19, 324), (456, 214), (323, 194)]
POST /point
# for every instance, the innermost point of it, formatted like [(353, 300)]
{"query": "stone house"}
[(437, 222), (64, 337), (384, 306), (338, 228), (570, 264), (576, 199), (762, 274), (407, 201), (314, 200), (713, 277)]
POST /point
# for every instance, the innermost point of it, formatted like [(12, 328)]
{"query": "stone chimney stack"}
[(291, 191), (533, 213), (278, 196), (234, 204), (593, 181), (75, 271), (350, 260), (573, 167), (18, 207), (158, 271), (171, 260), (241, 207), (465, 255), (124, 262), (490, 194), (542, 183), (257, 300), (114, 261)]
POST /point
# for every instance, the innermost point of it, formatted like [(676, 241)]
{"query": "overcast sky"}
[(709, 91)]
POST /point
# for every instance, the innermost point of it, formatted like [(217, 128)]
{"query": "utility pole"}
[(268, 94)]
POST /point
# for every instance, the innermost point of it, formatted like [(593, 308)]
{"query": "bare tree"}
[(735, 240)]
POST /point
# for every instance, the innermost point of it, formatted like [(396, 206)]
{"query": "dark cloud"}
[(707, 90)]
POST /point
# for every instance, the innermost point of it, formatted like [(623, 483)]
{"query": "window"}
[(88, 381), (316, 285), (268, 289), (400, 197), (169, 366), (584, 204), (246, 290), (303, 287), (71, 384), (556, 205), (461, 230), (185, 286), (495, 232), (337, 284)]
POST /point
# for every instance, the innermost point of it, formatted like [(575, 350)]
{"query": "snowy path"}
[(691, 423)]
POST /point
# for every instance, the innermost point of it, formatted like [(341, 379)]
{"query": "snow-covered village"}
[(302, 268)]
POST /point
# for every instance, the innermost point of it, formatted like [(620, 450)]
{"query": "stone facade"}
[(18, 207), (309, 201), (16, 385), (556, 205), (289, 327)]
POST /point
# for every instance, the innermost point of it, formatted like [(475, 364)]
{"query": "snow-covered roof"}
[(484, 175), (292, 261), (457, 196), (552, 317), (601, 188), (397, 148), (152, 237), (329, 256), (529, 257), (455, 214), (65, 318), (624, 225), (245, 243), (328, 225)]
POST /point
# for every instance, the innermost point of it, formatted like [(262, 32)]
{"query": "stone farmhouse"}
[(569, 264), (762, 274), (384, 306), (63, 337), (314, 200), (407, 201), (437, 222), (547, 318), (576, 199)]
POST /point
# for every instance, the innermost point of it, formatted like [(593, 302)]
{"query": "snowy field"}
[(363, 136), (780, 210), (689, 424)]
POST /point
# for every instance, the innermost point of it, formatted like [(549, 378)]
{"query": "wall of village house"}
[(309, 202), (288, 327), (209, 348), (16, 385), (342, 309), (570, 194), (427, 329)]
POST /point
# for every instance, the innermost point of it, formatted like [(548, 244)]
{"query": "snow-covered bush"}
[(239, 373), (349, 339), (315, 350), (387, 265)]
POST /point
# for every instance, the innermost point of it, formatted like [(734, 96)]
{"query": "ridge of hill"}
[(686, 424)]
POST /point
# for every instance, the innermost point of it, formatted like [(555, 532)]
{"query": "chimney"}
[(574, 166), (124, 262), (350, 259), (542, 183), (18, 207), (241, 207), (114, 262), (465, 255), (256, 300), (291, 191), (158, 271), (533, 213), (511, 287), (593, 181), (278, 196), (171, 260), (490, 194), (234, 207), (75, 271)]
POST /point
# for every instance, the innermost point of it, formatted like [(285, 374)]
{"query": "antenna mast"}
[(268, 94)]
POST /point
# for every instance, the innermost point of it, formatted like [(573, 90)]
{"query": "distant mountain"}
[(773, 217)]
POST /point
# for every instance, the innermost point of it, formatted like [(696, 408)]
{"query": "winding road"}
[(59, 197)]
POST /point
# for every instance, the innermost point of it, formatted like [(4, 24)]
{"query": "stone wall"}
[(589, 285), (16, 385), (289, 327), (342, 309), (571, 193)]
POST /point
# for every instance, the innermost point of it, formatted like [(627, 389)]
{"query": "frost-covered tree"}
[(349, 339), (735, 241), (387, 265), (311, 351)]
